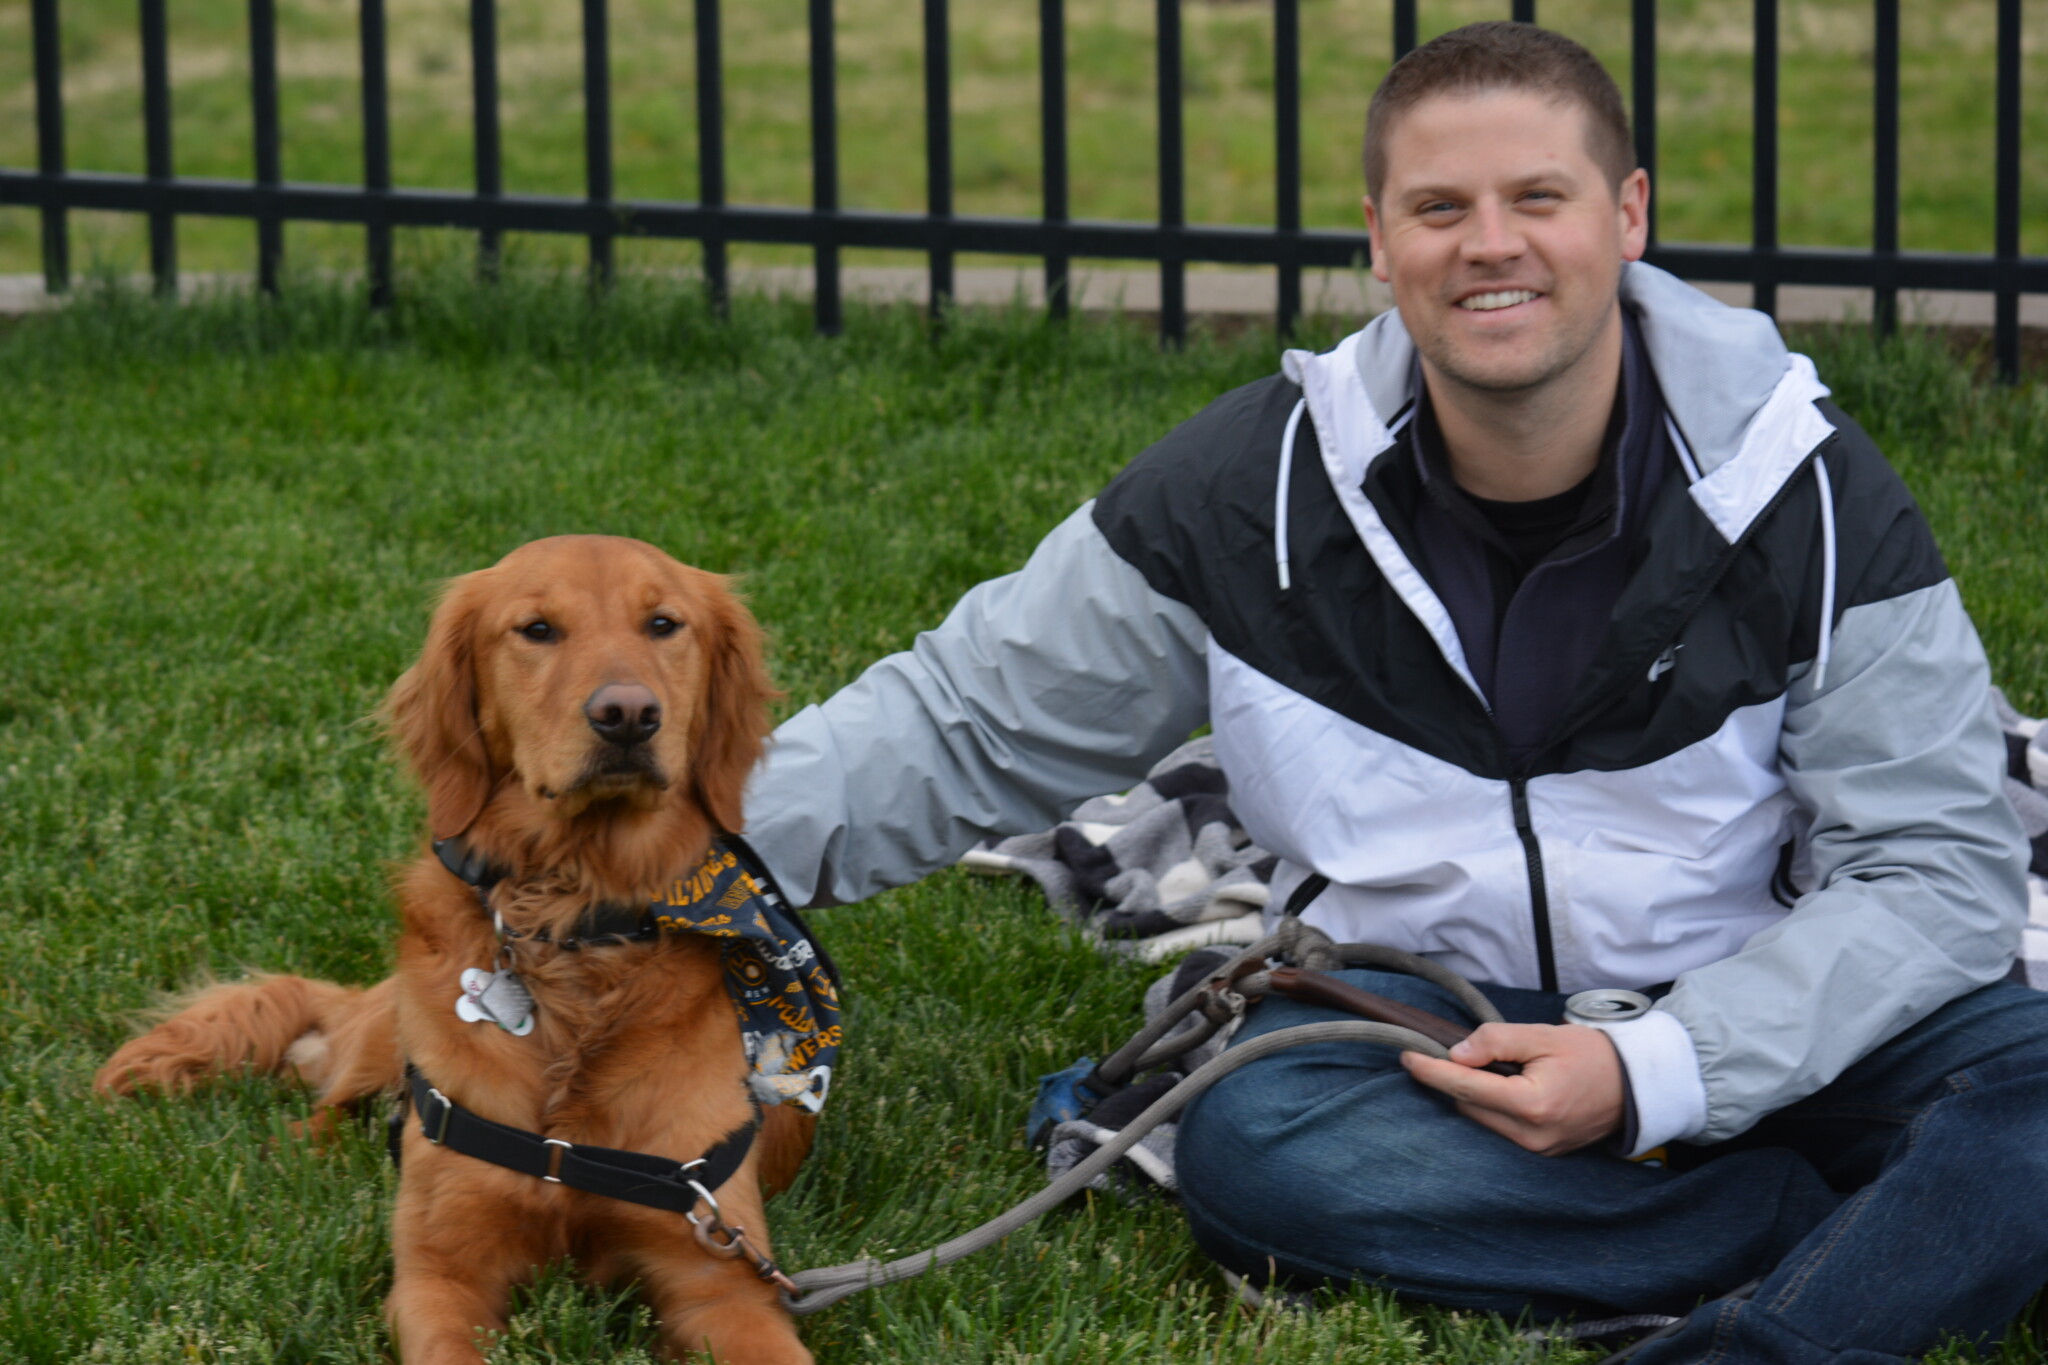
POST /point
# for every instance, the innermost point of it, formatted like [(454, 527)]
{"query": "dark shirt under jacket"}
[(1531, 586)]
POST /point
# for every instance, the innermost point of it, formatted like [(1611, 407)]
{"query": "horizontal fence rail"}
[(828, 228)]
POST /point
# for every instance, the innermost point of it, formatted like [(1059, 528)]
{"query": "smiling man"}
[(1554, 626)]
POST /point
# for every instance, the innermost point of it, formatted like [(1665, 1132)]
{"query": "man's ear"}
[(432, 714), (1633, 203), (1372, 226)]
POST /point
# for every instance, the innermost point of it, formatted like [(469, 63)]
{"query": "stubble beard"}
[(1513, 378)]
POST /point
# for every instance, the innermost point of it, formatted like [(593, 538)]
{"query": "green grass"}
[(1946, 113), (223, 525)]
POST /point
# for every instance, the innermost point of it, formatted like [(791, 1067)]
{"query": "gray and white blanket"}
[(1165, 868)]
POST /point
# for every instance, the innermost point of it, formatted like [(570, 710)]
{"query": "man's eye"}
[(663, 625), (538, 631)]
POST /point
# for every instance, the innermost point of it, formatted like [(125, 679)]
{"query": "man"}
[(1557, 627)]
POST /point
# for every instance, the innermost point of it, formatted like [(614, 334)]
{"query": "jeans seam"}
[(1717, 1349), (1845, 1220)]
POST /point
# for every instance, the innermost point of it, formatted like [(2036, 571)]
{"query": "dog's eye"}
[(539, 631), (663, 625)]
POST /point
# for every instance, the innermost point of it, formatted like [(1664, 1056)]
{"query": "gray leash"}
[(820, 1288), (826, 1286)]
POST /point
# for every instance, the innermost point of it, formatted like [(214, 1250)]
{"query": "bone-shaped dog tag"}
[(500, 997)]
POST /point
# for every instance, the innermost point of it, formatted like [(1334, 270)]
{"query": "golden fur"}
[(636, 1046)]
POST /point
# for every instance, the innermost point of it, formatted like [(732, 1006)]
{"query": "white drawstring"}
[(1692, 468), (1827, 574), (1280, 495)]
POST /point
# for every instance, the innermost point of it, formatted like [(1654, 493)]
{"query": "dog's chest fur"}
[(616, 1026)]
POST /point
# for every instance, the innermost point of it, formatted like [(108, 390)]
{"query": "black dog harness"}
[(782, 985)]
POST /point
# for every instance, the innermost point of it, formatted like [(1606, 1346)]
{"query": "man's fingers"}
[(1501, 1043), (1462, 1082)]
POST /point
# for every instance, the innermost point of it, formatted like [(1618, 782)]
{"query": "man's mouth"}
[(1499, 298)]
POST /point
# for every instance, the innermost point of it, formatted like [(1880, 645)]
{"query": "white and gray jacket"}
[(1776, 785)]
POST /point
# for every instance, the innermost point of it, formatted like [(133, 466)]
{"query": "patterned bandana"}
[(782, 989)]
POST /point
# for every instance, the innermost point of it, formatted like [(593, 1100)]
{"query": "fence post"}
[(597, 137), (50, 143), (1052, 117), (711, 154), (156, 132), (1764, 164), (1287, 157), (938, 152), (825, 170), (269, 162), (1884, 176), (376, 152), (2005, 330), (483, 98), (1173, 271), (1643, 88)]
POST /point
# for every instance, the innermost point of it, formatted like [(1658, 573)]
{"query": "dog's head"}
[(584, 672)]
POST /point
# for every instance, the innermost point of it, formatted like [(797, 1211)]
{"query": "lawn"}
[(223, 527), (1946, 114)]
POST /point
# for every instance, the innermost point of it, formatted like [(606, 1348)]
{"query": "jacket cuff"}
[(1661, 1074)]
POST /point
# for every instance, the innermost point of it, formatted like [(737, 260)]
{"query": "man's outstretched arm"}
[(1065, 680)]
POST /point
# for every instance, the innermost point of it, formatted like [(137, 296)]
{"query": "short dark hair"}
[(1501, 55)]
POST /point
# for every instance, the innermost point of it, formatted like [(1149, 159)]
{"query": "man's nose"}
[(1492, 234)]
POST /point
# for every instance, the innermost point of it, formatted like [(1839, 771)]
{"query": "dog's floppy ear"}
[(733, 723), (432, 714)]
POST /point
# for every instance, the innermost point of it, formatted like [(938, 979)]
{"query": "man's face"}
[(1502, 237)]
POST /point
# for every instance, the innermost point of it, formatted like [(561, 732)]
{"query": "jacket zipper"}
[(1518, 787), (1539, 892)]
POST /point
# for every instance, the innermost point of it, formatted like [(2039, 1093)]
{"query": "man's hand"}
[(1568, 1095)]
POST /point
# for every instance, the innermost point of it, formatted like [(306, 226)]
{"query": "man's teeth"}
[(1506, 298)]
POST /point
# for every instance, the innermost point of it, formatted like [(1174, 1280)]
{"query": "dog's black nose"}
[(624, 714)]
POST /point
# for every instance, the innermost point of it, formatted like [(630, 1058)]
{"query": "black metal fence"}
[(827, 227)]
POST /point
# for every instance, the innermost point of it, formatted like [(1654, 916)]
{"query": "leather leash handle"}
[(1320, 988)]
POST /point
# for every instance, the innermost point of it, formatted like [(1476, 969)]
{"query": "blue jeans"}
[(1906, 1201)]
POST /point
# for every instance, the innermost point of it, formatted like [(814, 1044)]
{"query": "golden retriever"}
[(583, 716)]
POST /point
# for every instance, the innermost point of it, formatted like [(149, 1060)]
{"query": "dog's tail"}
[(341, 1039)]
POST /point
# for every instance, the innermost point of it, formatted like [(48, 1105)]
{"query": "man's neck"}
[(1517, 447)]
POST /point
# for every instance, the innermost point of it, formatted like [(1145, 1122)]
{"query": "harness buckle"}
[(440, 1133), (554, 1175)]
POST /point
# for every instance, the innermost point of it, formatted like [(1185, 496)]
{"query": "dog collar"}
[(783, 987)]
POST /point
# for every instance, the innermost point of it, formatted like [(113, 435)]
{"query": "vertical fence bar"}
[(1052, 118), (1884, 224), (483, 102), (1643, 89), (2005, 330), (50, 142), (1523, 12), (1764, 165), (1287, 153), (156, 118), (711, 151), (1173, 271), (376, 150), (825, 170), (269, 158), (938, 149), (1404, 28), (597, 134)]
